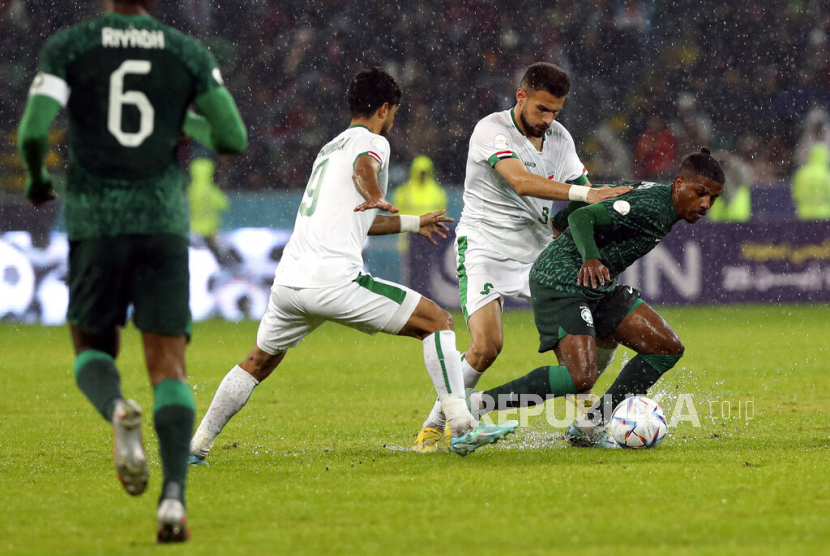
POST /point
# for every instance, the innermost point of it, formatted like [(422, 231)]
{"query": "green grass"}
[(303, 468)]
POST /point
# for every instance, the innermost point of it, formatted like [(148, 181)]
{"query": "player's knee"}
[(444, 321), (487, 350), (584, 377), (675, 346), (260, 364)]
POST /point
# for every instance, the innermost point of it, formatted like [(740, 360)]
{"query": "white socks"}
[(231, 396), (471, 377), (443, 364)]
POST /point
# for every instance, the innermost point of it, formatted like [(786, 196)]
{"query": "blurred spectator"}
[(751, 150), (422, 135), (606, 156), (754, 69), (420, 195), (692, 127), (814, 129), (656, 151), (735, 202), (207, 203), (811, 185)]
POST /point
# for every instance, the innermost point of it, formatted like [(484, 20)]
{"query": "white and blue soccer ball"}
[(638, 422)]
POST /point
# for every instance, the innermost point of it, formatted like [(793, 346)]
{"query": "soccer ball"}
[(638, 422)]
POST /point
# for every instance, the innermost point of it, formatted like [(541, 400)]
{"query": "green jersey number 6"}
[(119, 97)]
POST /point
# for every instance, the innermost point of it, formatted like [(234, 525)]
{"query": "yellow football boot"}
[(429, 439)]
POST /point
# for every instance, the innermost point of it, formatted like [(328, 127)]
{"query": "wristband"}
[(411, 223), (578, 193)]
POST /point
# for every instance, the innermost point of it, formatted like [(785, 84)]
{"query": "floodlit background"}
[(651, 82)]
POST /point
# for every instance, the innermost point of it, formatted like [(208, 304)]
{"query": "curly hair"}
[(369, 90)]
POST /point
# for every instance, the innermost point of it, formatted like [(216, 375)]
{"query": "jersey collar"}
[(359, 125), (515, 123)]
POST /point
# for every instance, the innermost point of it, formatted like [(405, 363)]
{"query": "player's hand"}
[(597, 194), (593, 272), (433, 223), (39, 191), (380, 203)]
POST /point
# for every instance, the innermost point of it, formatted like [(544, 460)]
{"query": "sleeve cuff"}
[(373, 154), (581, 180)]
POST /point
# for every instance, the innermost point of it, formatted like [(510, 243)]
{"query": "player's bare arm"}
[(365, 178), (429, 224), (532, 185)]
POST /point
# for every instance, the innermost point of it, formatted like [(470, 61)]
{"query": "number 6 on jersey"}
[(118, 98)]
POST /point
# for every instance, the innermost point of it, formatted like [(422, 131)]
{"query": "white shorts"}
[(484, 275), (368, 304)]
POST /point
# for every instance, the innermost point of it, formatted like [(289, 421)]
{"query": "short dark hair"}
[(369, 90), (543, 76), (704, 165)]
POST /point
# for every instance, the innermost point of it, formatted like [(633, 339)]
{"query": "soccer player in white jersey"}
[(519, 161), (320, 276)]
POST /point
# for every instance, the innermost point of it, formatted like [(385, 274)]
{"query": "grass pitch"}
[(315, 462)]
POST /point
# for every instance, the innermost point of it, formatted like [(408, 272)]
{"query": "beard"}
[(532, 130)]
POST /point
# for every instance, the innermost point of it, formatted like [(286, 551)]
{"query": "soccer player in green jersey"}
[(127, 82), (577, 300)]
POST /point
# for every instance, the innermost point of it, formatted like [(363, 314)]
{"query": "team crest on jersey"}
[(500, 141), (377, 143), (587, 316), (622, 207)]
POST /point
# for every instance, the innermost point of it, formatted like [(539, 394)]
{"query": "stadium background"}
[(651, 81)]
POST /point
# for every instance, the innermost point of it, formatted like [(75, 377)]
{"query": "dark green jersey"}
[(129, 82), (640, 219)]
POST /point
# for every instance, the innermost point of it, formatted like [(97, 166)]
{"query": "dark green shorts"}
[(557, 316), (108, 274)]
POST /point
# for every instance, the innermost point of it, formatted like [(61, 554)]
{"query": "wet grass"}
[(315, 462)]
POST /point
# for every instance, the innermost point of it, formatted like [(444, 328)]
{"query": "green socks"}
[(174, 414), (638, 375), (533, 388), (98, 379)]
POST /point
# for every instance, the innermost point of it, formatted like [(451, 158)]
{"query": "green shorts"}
[(108, 274), (557, 316)]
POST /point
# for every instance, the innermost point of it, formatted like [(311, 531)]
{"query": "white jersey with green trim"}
[(326, 247), (513, 225)]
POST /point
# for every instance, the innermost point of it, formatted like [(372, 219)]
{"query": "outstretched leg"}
[(230, 398), (576, 373)]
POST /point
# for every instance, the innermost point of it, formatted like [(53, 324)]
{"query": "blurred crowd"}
[(651, 80)]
